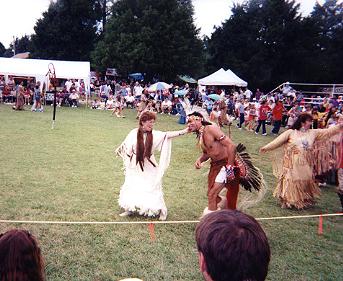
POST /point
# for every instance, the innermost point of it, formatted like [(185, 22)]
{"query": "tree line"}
[(266, 42)]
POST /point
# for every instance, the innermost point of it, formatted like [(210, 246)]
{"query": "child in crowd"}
[(95, 104), (292, 116), (141, 106), (118, 106), (251, 117), (110, 103), (37, 103), (214, 115), (27, 96)]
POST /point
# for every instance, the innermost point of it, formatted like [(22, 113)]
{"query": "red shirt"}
[(263, 110), (277, 111)]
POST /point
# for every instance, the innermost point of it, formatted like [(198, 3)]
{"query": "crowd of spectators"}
[(251, 110), (27, 91)]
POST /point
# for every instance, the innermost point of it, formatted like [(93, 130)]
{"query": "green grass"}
[(70, 173)]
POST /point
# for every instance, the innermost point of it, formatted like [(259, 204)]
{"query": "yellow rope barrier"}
[(155, 222)]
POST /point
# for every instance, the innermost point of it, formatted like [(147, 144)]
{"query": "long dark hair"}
[(20, 257), (144, 150), (302, 118)]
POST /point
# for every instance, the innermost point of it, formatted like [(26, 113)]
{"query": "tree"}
[(273, 47), (67, 30), (328, 20), (104, 7), (154, 37), (22, 44)]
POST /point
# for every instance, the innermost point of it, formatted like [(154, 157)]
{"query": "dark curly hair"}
[(302, 118)]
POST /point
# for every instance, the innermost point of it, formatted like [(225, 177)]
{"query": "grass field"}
[(71, 174)]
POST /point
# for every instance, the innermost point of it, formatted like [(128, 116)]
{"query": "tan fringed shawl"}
[(303, 156), (316, 148)]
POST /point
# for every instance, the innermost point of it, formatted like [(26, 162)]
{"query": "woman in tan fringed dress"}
[(306, 153)]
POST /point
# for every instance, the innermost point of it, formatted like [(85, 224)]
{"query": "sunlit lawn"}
[(70, 173)]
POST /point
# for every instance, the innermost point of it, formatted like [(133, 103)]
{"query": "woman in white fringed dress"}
[(142, 190)]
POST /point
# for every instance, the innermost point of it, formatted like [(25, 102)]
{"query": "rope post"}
[(151, 228), (320, 225)]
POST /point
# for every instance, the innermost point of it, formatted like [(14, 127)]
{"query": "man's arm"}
[(173, 134), (204, 157)]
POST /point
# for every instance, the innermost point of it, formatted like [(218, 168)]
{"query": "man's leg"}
[(258, 126), (277, 126), (213, 195), (232, 195)]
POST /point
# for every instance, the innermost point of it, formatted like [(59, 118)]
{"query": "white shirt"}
[(166, 102), (130, 98), (137, 90), (68, 84), (248, 94)]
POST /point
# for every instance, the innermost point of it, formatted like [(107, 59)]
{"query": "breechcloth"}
[(232, 186)]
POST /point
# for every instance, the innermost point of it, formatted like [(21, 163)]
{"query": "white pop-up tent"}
[(222, 78), (39, 68)]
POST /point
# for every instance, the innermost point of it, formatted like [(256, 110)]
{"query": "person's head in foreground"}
[(20, 257), (232, 246)]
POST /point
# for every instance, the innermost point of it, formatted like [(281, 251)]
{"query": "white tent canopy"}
[(39, 68), (221, 78)]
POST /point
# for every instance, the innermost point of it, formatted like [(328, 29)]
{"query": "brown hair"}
[(20, 257), (144, 150), (234, 246), (302, 118)]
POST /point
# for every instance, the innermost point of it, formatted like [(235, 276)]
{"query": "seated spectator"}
[(6, 94), (118, 106), (60, 98), (110, 102), (158, 106), (167, 106), (27, 95), (20, 257), (232, 246), (150, 106), (130, 101), (73, 98), (96, 104)]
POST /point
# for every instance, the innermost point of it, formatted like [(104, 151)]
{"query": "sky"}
[(18, 17)]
